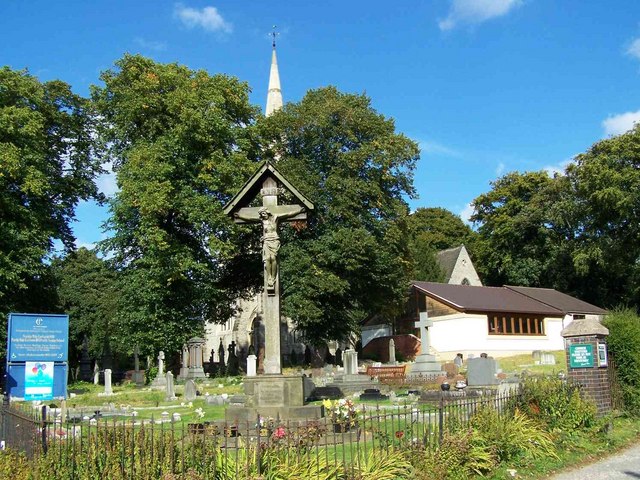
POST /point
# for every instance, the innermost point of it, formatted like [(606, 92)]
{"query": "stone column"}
[(585, 342), (195, 346), (107, 382), (392, 352)]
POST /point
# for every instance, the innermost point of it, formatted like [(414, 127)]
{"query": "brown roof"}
[(559, 300), (468, 298)]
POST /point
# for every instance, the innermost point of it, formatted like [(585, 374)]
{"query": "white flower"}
[(190, 404), (199, 412)]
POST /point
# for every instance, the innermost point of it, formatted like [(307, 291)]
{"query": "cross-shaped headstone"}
[(425, 339)]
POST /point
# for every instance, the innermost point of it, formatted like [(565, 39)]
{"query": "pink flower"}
[(280, 432)]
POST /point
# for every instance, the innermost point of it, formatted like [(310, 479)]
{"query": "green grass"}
[(519, 363)]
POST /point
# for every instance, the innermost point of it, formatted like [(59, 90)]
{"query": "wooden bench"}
[(394, 373)]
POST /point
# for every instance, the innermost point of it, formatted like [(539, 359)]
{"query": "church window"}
[(515, 324)]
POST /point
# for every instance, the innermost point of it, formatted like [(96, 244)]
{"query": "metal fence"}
[(159, 448)]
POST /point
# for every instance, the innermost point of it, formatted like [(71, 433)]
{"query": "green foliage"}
[(624, 347), (179, 141), (87, 292), (46, 167), (431, 230), (350, 261), (14, 465), (557, 404), (393, 464)]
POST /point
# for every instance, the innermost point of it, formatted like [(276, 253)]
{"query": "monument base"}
[(426, 364), (350, 384), (275, 396), (195, 372)]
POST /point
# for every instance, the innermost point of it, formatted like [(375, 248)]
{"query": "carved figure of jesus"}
[(270, 238)]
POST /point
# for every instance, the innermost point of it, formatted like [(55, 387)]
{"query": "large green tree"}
[(87, 291), (351, 259), (178, 140), (431, 230), (46, 167)]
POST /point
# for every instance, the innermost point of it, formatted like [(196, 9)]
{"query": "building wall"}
[(468, 333), (464, 269)]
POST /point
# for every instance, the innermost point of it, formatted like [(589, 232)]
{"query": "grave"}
[(392, 352), (160, 381), (373, 394), (170, 394), (451, 369), (350, 381), (190, 391), (425, 363), (271, 394), (325, 393), (138, 375), (482, 371), (547, 358), (195, 365)]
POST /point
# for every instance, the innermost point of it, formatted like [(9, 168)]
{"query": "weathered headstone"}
[(195, 346), (233, 367), (222, 367), (326, 393), (138, 375), (373, 394), (190, 391), (160, 380), (451, 369), (350, 358), (482, 371), (458, 360), (251, 365), (547, 358), (184, 363), (392, 352), (170, 393), (107, 382), (96, 374)]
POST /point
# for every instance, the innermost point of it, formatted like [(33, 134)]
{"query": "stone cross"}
[(425, 337), (136, 359), (266, 181), (160, 364)]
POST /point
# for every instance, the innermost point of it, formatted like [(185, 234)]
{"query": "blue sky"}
[(485, 86)]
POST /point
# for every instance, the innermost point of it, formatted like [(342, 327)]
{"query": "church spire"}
[(274, 95)]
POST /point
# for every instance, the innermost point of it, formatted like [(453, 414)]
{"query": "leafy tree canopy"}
[(46, 168), (179, 140), (87, 291), (432, 230), (350, 261)]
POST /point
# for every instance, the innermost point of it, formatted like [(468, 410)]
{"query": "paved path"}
[(623, 465)]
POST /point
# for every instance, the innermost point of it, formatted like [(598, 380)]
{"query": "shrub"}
[(14, 465), (556, 403), (624, 346), (391, 465)]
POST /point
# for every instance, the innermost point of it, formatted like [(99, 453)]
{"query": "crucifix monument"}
[(265, 184), (271, 394), (425, 363)]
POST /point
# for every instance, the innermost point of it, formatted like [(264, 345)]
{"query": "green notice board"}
[(581, 355)]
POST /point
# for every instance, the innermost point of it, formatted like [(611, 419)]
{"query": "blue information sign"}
[(34, 337)]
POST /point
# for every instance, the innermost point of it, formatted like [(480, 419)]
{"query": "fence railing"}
[(162, 448)]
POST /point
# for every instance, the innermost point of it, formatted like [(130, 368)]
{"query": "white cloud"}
[(633, 49), (150, 44), (500, 169), (466, 212), (621, 123), (437, 149), (207, 18), (559, 169), (472, 12)]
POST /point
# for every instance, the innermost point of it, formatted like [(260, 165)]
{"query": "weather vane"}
[(274, 34)]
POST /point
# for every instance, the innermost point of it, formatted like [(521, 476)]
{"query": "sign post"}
[(37, 356)]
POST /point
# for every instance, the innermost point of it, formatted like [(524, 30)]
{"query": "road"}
[(623, 465)]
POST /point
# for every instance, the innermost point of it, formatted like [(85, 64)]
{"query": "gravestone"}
[(107, 382), (233, 365), (458, 360), (215, 400), (170, 393), (251, 365), (392, 352), (138, 375), (326, 393), (196, 369), (373, 394), (482, 371), (96, 374), (190, 391), (184, 363), (547, 358), (451, 369), (425, 362), (350, 358), (160, 380)]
